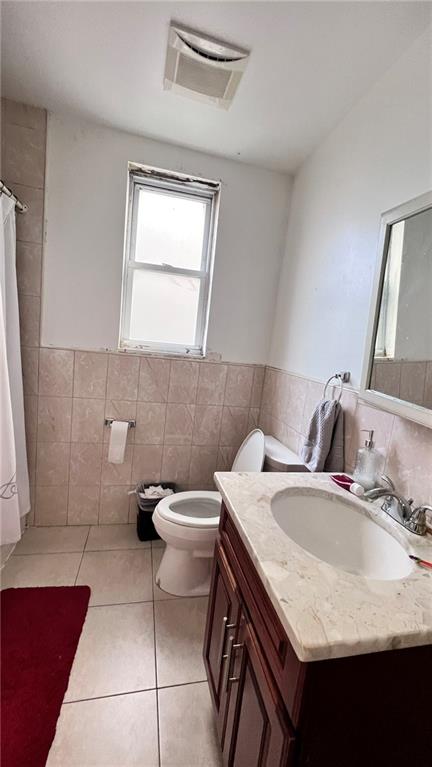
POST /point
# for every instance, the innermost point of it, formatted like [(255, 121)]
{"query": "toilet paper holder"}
[(110, 421)]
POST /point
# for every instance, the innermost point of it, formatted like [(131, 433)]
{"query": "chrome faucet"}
[(384, 492), (399, 508), (417, 520)]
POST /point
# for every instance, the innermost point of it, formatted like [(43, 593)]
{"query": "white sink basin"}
[(337, 533)]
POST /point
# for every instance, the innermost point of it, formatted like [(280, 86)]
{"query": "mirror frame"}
[(386, 402)]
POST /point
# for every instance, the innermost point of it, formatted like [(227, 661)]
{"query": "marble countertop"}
[(327, 612)]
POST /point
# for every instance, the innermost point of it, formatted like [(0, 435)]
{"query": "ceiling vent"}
[(203, 68)]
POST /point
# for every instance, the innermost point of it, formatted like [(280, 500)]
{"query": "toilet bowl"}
[(188, 523)]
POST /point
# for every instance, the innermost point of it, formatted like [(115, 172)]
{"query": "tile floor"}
[(137, 695)]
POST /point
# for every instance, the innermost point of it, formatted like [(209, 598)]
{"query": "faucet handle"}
[(417, 520), (424, 507)]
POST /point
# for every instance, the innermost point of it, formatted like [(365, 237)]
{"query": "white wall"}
[(85, 212), (378, 157)]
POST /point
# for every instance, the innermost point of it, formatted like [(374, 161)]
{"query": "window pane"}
[(164, 307), (170, 229)]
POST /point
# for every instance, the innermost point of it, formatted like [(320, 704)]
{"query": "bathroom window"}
[(170, 239)]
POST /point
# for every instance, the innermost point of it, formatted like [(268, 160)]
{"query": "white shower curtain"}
[(14, 481)]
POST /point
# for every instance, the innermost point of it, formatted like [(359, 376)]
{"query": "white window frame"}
[(165, 182), (388, 311)]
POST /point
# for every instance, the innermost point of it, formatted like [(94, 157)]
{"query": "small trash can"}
[(145, 507)]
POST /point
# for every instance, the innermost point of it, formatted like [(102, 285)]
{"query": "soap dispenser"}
[(369, 464)]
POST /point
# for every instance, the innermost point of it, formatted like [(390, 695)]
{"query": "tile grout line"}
[(181, 684), (166, 414), (78, 551), (223, 407), (103, 442), (70, 445), (135, 692), (144, 601), (389, 442), (47, 553), (163, 444), (121, 604), (155, 652), (82, 557), (37, 412)]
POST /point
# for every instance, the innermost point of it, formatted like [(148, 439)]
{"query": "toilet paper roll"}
[(117, 443)]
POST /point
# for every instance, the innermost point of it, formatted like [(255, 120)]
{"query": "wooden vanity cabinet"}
[(221, 632), (251, 720), (272, 710), (257, 730)]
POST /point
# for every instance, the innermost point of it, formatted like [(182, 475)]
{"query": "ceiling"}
[(310, 63)]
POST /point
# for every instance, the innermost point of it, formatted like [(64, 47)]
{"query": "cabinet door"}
[(221, 628), (258, 732)]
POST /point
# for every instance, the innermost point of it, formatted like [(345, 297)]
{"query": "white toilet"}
[(188, 523)]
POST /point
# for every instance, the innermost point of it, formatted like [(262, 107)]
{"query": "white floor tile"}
[(158, 593), (180, 625), (100, 725), (104, 537), (40, 570), (51, 540), (187, 731), (115, 652), (109, 732), (117, 576)]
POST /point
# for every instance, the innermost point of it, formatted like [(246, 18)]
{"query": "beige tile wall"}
[(408, 380), (180, 435), (287, 405)]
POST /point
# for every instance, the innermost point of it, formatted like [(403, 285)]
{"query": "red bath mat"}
[(40, 629)]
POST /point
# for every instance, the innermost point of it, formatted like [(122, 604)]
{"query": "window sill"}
[(143, 352)]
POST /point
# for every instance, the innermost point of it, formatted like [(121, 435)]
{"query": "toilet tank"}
[(278, 457)]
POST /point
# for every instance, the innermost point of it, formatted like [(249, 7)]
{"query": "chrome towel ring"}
[(342, 378)]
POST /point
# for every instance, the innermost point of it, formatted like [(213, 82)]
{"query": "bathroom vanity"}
[(309, 664)]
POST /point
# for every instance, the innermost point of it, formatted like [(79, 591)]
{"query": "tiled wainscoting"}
[(409, 380), (190, 419), (137, 693), (287, 404)]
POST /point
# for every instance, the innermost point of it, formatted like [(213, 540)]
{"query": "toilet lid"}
[(250, 455), (196, 508)]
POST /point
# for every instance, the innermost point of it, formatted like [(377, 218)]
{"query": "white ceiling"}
[(310, 63)]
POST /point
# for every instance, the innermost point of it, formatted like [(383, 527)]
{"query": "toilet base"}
[(182, 574)]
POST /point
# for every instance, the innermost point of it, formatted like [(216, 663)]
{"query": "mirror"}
[(399, 353)]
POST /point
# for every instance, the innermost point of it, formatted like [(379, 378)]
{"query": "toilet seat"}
[(195, 508)]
